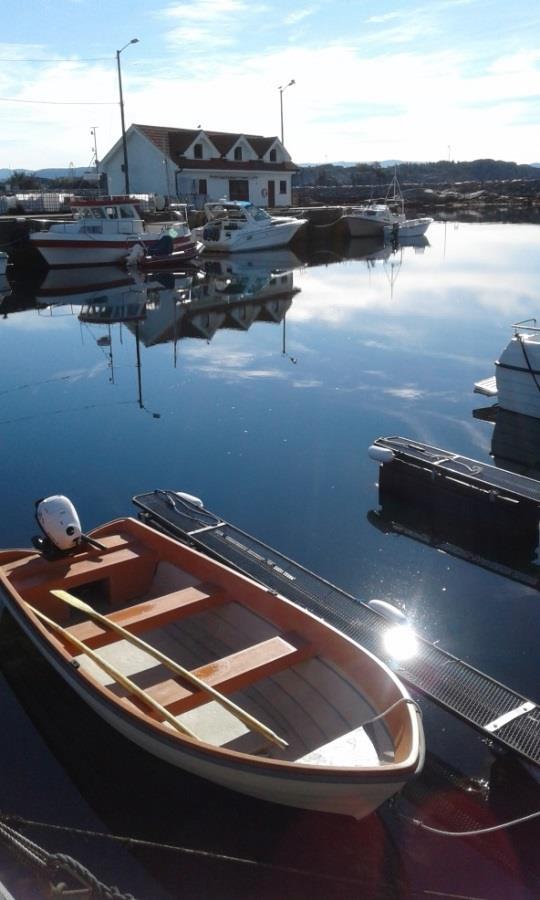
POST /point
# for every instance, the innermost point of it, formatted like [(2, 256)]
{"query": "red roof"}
[(232, 164), (173, 142)]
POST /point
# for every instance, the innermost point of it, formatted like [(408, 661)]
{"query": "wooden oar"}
[(175, 667), (117, 676)]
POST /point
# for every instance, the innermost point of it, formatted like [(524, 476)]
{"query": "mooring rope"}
[(473, 832), (530, 368), (50, 865), (189, 851)]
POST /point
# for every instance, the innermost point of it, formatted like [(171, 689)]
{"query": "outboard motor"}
[(60, 523)]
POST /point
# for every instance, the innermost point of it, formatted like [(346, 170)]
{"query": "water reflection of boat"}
[(516, 383), (370, 249), (515, 442), (5, 288), (77, 284)]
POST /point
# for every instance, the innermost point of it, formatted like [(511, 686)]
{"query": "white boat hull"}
[(322, 794), (412, 227), (277, 234), (66, 250), (517, 376), (359, 227)]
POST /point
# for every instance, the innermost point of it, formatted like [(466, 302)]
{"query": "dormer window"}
[(198, 151), (273, 156), (238, 153)]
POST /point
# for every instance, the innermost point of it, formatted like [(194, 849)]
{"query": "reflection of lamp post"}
[(293, 359), (124, 142), (96, 160), (281, 89), (139, 375)]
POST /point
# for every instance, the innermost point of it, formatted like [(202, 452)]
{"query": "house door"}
[(271, 193), (238, 189)]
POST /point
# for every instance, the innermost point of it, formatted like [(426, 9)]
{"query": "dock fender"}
[(380, 454)]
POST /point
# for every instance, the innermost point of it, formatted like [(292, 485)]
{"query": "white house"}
[(195, 165)]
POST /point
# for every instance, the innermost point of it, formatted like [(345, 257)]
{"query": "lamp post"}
[(281, 89), (124, 142), (96, 160)]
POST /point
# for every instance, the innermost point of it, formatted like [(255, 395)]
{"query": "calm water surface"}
[(265, 407)]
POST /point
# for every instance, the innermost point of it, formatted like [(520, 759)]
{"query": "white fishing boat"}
[(237, 225), (386, 219), (209, 670), (516, 383), (105, 231)]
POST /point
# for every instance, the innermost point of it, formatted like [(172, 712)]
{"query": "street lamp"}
[(124, 142), (96, 160), (281, 89)]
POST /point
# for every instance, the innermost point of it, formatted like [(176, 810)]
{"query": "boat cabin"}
[(235, 213)]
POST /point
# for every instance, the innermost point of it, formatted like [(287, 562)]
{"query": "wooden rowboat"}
[(214, 673)]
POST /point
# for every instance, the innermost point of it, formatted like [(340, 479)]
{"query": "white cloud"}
[(345, 104), (206, 10), (298, 16)]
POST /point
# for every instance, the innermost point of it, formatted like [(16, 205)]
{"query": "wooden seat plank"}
[(28, 566), (232, 673), (149, 614)]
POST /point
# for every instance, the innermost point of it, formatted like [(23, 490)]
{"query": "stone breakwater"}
[(464, 195)]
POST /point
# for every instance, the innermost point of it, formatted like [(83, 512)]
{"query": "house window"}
[(197, 151), (273, 156), (238, 189), (238, 153), (203, 187), (282, 187)]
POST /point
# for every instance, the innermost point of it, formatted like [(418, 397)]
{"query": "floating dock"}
[(484, 501), (496, 711)]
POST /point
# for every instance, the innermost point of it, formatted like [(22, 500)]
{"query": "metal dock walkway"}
[(496, 711)]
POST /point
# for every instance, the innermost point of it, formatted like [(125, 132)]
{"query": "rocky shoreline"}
[(465, 195)]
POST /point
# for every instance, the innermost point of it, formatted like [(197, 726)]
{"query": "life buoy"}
[(264, 192)]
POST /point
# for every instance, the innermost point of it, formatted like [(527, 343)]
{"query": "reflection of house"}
[(171, 319), (230, 295), (195, 165)]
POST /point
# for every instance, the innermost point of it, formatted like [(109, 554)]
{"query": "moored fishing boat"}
[(106, 230), (209, 670), (386, 219)]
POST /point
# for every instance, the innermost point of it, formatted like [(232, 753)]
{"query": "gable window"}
[(282, 187), (273, 155), (198, 151), (238, 153)]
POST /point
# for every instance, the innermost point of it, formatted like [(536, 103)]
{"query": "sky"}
[(388, 79)]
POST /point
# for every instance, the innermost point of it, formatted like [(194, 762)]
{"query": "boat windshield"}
[(257, 213)]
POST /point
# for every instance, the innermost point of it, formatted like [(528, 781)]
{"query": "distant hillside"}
[(76, 172), (432, 173)]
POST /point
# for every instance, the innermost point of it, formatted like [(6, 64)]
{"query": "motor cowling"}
[(59, 521)]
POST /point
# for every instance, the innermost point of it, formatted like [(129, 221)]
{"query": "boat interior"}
[(287, 669)]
